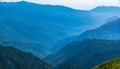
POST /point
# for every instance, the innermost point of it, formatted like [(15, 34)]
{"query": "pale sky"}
[(76, 4)]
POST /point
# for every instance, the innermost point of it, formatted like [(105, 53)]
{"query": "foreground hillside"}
[(12, 58), (113, 64)]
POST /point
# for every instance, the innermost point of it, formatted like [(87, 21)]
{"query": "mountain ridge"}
[(108, 31), (42, 26), (81, 52), (12, 58)]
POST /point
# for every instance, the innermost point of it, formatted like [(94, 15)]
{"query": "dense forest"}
[(12, 58)]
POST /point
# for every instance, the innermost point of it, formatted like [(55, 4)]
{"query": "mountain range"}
[(57, 36), (84, 53), (24, 24), (30, 23)]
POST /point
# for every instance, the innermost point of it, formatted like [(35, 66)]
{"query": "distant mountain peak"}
[(106, 8), (14, 3)]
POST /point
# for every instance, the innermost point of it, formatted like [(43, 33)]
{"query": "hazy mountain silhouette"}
[(110, 31)]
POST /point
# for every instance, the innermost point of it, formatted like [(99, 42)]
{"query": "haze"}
[(76, 4)]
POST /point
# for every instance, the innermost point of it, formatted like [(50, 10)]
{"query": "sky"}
[(76, 4)]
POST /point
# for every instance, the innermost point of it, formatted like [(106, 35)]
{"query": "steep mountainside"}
[(53, 25), (109, 31), (112, 64), (42, 25), (12, 58), (81, 54)]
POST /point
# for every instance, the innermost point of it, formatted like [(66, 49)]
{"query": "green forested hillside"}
[(113, 64), (12, 58)]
